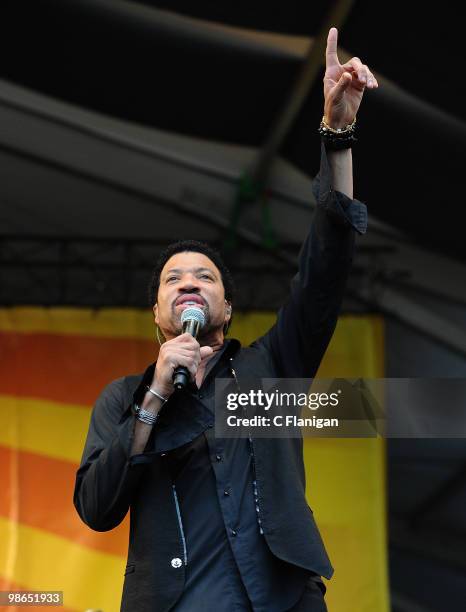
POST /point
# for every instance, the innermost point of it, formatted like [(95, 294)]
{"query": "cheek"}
[(164, 309), (219, 307)]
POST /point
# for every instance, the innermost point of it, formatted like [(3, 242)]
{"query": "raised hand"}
[(344, 85)]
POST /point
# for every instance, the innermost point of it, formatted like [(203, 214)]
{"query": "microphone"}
[(192, 320)]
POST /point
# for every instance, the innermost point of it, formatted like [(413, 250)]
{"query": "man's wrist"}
[(156, 393), (340, 125), (159, 388), (154, 404), (342, 154), (149, 417)]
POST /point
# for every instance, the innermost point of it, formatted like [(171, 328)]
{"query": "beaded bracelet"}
[(327, 128), (336, 139)]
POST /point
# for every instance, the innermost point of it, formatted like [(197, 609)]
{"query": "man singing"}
[(223, 524)]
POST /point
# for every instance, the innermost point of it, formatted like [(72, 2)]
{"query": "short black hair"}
[(183, 246)]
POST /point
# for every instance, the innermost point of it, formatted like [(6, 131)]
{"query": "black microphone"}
[(192, 320)]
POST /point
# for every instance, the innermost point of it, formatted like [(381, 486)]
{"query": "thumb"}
[(206, 350), (342, 84)]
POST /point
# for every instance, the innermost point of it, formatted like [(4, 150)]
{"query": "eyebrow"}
[(180, 271)]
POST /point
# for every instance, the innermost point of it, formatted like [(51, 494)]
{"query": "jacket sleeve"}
[(306, 322), (108, 475)]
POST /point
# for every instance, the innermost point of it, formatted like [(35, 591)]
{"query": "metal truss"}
[(98, 272), (106, 272)]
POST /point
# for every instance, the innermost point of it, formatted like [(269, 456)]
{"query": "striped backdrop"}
[(53, 364)]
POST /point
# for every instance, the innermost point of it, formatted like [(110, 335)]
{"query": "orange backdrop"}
[(54, 363)]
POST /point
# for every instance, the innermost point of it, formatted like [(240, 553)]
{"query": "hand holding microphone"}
[(192, 320), (179, 358)]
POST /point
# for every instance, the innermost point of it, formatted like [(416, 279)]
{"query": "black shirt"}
[(229, 566)]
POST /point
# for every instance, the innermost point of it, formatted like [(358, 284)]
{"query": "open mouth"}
[(190, 300)]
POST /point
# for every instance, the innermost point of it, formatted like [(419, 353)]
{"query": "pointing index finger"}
[(331, 51)]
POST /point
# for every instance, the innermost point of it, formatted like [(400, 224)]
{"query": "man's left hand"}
[(344, 85)]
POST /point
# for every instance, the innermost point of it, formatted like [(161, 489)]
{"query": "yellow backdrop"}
[(53, 364)]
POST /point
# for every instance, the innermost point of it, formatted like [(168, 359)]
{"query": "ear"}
[(155, 310), (228, 310)]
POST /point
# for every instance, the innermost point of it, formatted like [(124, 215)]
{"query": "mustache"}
[(190, 293)]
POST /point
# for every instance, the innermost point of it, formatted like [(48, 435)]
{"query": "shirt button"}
[(233, 532), (176, 562), (218, 457), (226, 492), (200, 395)]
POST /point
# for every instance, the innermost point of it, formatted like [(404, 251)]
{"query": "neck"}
[(214, 339)]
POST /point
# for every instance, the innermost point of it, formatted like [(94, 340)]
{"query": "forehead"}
[(188, 260)]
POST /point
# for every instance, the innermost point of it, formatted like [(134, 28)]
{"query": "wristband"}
[(339, 138), (149, 418), (164, 399)]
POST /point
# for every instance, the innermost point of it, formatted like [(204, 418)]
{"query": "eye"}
[(171, 278), (206, 276)]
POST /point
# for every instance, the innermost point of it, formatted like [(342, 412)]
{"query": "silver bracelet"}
[(149, 418), (164, 399)]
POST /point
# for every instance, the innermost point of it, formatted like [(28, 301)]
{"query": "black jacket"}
[(109, 482)]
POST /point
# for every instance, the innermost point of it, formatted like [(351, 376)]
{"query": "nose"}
[(189, 283)]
